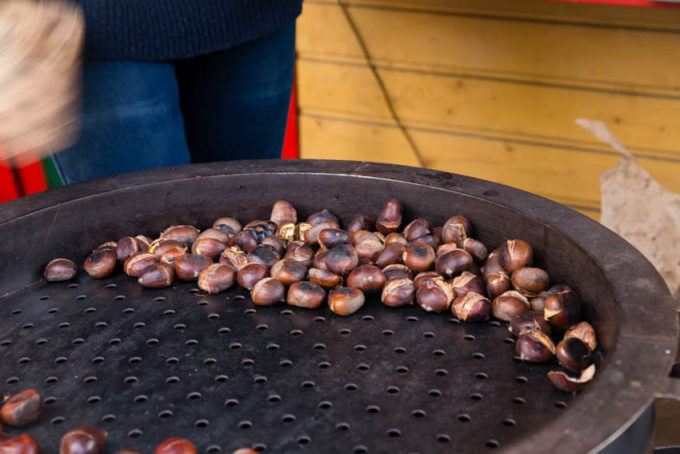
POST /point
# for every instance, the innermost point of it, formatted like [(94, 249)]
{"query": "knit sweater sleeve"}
[(157, 30)]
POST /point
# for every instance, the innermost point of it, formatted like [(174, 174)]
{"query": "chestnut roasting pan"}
[(146, 364)]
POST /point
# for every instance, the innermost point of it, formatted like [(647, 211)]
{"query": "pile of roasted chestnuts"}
[(306, 263)]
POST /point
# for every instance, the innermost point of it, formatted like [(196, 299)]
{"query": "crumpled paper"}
[(639, 209)]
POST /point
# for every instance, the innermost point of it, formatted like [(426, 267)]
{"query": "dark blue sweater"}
[(152, 30)]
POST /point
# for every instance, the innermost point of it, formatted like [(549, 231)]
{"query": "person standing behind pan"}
[(169, 82)]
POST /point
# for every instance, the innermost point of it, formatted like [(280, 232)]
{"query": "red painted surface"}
[(8, 187), (643, 3), (32, 178), (290, 141)]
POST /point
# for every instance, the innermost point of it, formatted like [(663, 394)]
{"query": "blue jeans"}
[(227, 105)]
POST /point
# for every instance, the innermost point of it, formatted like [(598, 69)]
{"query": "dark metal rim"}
[(636, 370)]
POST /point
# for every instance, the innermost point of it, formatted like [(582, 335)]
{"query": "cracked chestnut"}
[(22, 408), (330, 237), (157, 275), (305, 294), (175, 446), (189, 266), (134, 265), (300, 252), (345, 300), (515, 254), (227, 225), (420, 277), (573, 354), (209, 247), (509, 305), (250, 274), (397, 271), (467, 282), (418, 256), (311, 235), (415, 229), (475, 248), (60, 270), (260, 229), (215, 234), (535, 346), (565, 382), (283, 212), (367, 278), (585, 332), (471, 307), (562, 309), (398, 292), (453, 263), (324, 278), (395, 237), (530, 281), (22, 444), (185, 234), (234, 257), (531, 319), (83, 440), (275, 244), (216, 278), (434, 295), (455, 229), (100, 263), (368, 244), (497, 284), (245, 240), (267, 291), (127, 247), (161, 247), (288, 271)]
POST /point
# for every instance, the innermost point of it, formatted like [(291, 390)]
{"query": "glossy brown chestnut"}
[(389, 218), (395, 237), (311, 235), (391, 254), (215, 234), (320, 260), (275, 244), (305, 294), (134, 265), (321, 216), (564, 382), (208, 247), (531, 319), (161, 247), (493, 263), (367, 278), (300, 252), (418, 256), (573, 354), (100, 263), (244, 240), (23, 444), (434, 295), (144, 242), (497, 284), (360, 223), (328, 238), (22, 408), (342, 259), (264, 255), (171, 254), (397, 271), (537, 303), (398, 292), (530, 281), (420, 277), (185, 234), (60, 270), (467, 282), (189, 266), (250, 274), (127, 247), (453, 263), (345, 300), (157, 275), (562, 309), (109, 245), (324, 278), (471, 307), (175, 446), (509, 305), (415, 229), (585, 332), (227, 224), (368, 244), (431, 240), (475, 248), (216, 278), (515, 254), (444, 248), (455, 229), (283, 212), (83, 440), (288, 271), (535, 346), (234, 257), (267, 291)]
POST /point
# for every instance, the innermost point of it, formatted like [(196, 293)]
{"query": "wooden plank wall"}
[(491, 88)]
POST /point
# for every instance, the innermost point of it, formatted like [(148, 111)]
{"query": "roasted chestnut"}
[(530, 281), (100, 263), (535, 346), (418, 256), (345, 300), (585, 332), (305, 294), (471, 307), (170, 255), (538, 301), (515, 254), (175, 446), (216, 278), (267, 291), (573, 354), (189, 266), (531, 319), (397, 271), (283, 212), (250, 274), (453, 263), (215, 234), (564, 382), (60, 270), (420, 277), (260, 229), (234, 257), (286, 232), (275, 244), (209, 247), (359, 223), (509, 305), (497, 284), (128, 246), (330, 237), (288, 271), (312, 234), (83, 440), (455, 229), (134, 265), (415, 229), (227, 225), (395, 237), (22, 408), (562, 309), (492, 265), (244, 240), (144, 242), (300, 252), (185, 234), (398, 292), (319, 260), (431, 240), (475, 248), (391, 254), (368, 244), (161, 247), (467, 282), (342, 259), (389, 218), (264, 255), (324, 278), (321, 216), (23, 444), (444, 248), (367, 278), (157, 275), (434, 295)]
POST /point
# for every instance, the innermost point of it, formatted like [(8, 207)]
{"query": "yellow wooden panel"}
[(328, 138), (322, 29), (348, 89)]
